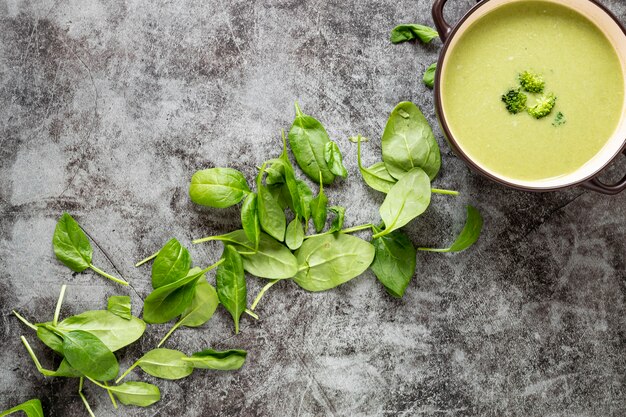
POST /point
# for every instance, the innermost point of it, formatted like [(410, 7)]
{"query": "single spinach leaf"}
[(49, 338), (171, 264), (403, 33), (66, 370), (295, 234), (228, 360), (334, 160), (275, 173), (337, 223), (218, 187), (140, 394), (429, 76), (408, 142), (250, 219), (376, 176), (468, 236), (395, 261), (164, 364), (32, 408), (114, 331), (71, 245), (120, 306), (271, 215), (330, 260), (406, 200), (231, 284), (88, 355), (280, 192), (319, 211), (307, 138), (306, 196), (271, 260)]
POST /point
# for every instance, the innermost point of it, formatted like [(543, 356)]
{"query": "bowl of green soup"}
[(531, 93)]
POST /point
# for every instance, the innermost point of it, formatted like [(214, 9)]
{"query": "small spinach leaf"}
[(429, 75), (395, 261), (334, 160), (306, 196), (163, 363), (403, 33), (231, 284), (376, 176), (468, 236), (319, 209), (88, 355), (120, 306), (228, 360), (337, 223), (271, 215), (171, 264), (295, 234), (49, 338), (250, 219), (218, 187), (140, 394), (32, 408)]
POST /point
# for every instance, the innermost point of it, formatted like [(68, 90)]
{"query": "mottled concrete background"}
[(107, 109)]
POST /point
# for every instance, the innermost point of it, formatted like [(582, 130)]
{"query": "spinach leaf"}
[(406, 200), (295, 234), (169, 301), (319, 209), (376, 176), (334, 160), (271, 215), (49, 338), (114, 331), (306, 196), (275, 173), (218, 187), (120, 306), (468, 236), (429, 76), (231, 284), (66, 370), (330, 260), (171, 264), (271, 260), (227, 360), (298, 202), (72, 247), (140, 394), (337, 223), (408, 142), (88, 355), (308, 138), (162, 363), (395, 261), (250, 219), (32, 408), (403, 33)]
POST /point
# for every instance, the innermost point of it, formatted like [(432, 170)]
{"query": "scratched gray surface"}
[(106, 110)]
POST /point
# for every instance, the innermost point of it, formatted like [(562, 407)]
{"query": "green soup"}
[(578, 64)]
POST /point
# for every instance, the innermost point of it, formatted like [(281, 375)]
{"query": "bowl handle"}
[(596, 185), (442, 26)]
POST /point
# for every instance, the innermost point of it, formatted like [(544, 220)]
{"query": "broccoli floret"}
[(543, 107), (533, 83), (515, 101)]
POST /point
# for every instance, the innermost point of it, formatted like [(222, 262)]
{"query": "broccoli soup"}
[(532, 91)]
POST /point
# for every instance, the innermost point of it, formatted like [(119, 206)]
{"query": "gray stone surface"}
[(107, 109)]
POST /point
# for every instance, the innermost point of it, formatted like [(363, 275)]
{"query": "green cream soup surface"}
[(579, 66)]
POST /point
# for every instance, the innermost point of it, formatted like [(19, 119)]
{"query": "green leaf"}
[(203, 305), (406, 200), (306, 196), (71, 245), (218, 187), (271, 260), (319, 209), (171, 264), (395, 261), (330, 260), (140, 394), (228, 360), (165, 364), (295, 234), (334, 160), (403, 33), (271, 215), (275, 173), (114, 331), (308, 138), (88, 355), (49, 338), (120, 306), (468, 236), (66, 370), (408, 142), (337, 223), (250, 219), (231, 284), (429, 75), (32, 408)]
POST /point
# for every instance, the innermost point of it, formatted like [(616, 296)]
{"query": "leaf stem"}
[(104, 274), (444, 192), (380, 234), (111, 395), (357, 228), (32, 355), (57, 310), (434, 250), (126, 372), (82, 397), (23, 320), (215, 265), (168, 334), (97, 383), (149, 258), (204, 239), (298, 111), (263, 290), (251, 313)]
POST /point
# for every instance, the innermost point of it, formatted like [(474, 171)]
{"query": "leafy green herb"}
[(250, 219), (319, 209), (306, 196), (340, 213), (330, 260), (406, 200), (377, 175), (162, 363), (403, 33), (231, 284), (333, 158), (171, 264), (120, 306), (72, 247), (395, 261), (295, 234), (227, 360), (32, 408), (308, 138), (468, 236), (88, 355), (218, 187), (140, 394), (429, 75), (271, 215), (408, 142)]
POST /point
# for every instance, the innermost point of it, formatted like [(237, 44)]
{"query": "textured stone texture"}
[(106, 110)]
